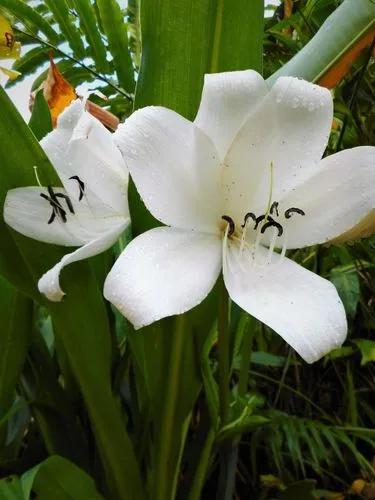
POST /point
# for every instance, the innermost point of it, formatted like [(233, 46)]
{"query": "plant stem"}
[(226, 483), (247, 345), (229, 454), (201, 471), (163, 482), (223, 353)]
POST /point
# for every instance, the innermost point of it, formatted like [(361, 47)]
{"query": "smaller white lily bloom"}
[(90, 210), (246, 178)]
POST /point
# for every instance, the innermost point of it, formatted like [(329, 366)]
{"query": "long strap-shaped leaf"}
[(116, 31), (90, 28), (340, 32), (29, 16), (62, 15), (181, 41), (80, 320)]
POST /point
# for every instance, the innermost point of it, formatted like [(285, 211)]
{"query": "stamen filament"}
[(271, 248), (37, 176)]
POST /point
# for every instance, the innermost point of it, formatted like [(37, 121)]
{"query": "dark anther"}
[(9, 40), (259, 220), (67, 200), (65, 197), (231, 224), (271, 222), (293, 210), (248, 216), (81, 186), (57, 209), (275, 207)]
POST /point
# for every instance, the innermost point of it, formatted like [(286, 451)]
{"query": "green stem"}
[(163, 482), (247, 346), (201, 470), (223, 353)]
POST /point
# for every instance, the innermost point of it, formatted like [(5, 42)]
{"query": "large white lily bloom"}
[(242, 180), (90, 210)]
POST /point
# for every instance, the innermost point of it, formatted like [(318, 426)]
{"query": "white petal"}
[(299, 305), (49, 283), (288, 130), (338, 195), (227, 98), (175, 168), (28, 213), (81, 146), (163, 272)]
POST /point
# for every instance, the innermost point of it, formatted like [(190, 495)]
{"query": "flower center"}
[(56, 199), (260, 224)]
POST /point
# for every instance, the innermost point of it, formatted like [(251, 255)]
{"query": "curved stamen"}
[(248, 216), (231, 224), (293, 210), (275, 207), (272, 223), (81, 186), (259, 220), (67, 200)]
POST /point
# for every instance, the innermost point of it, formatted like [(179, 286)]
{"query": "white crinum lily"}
[(90, 210), (246, 178)]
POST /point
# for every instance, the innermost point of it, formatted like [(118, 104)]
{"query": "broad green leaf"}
[(80, 320), (15, 314), (116, 31), (11, 489), (64, 19), (339, 33), (181, 41), (30, 17), (367, 348), (347, 284), (40, 121), (58, 479), (89, 26)]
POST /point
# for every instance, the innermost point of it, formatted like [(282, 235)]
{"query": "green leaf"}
[(70, 70), (63, 17), (40, 121), (347, 284), (367, 348), (15, 314), (89, 26), (245, 423), (28, 63), (343, 28), (80, 320), (30, 17), (116, 31), (11, 489), (58, 479)]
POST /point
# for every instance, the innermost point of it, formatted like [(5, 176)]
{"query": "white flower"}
[(90, 210), (242, 180)]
